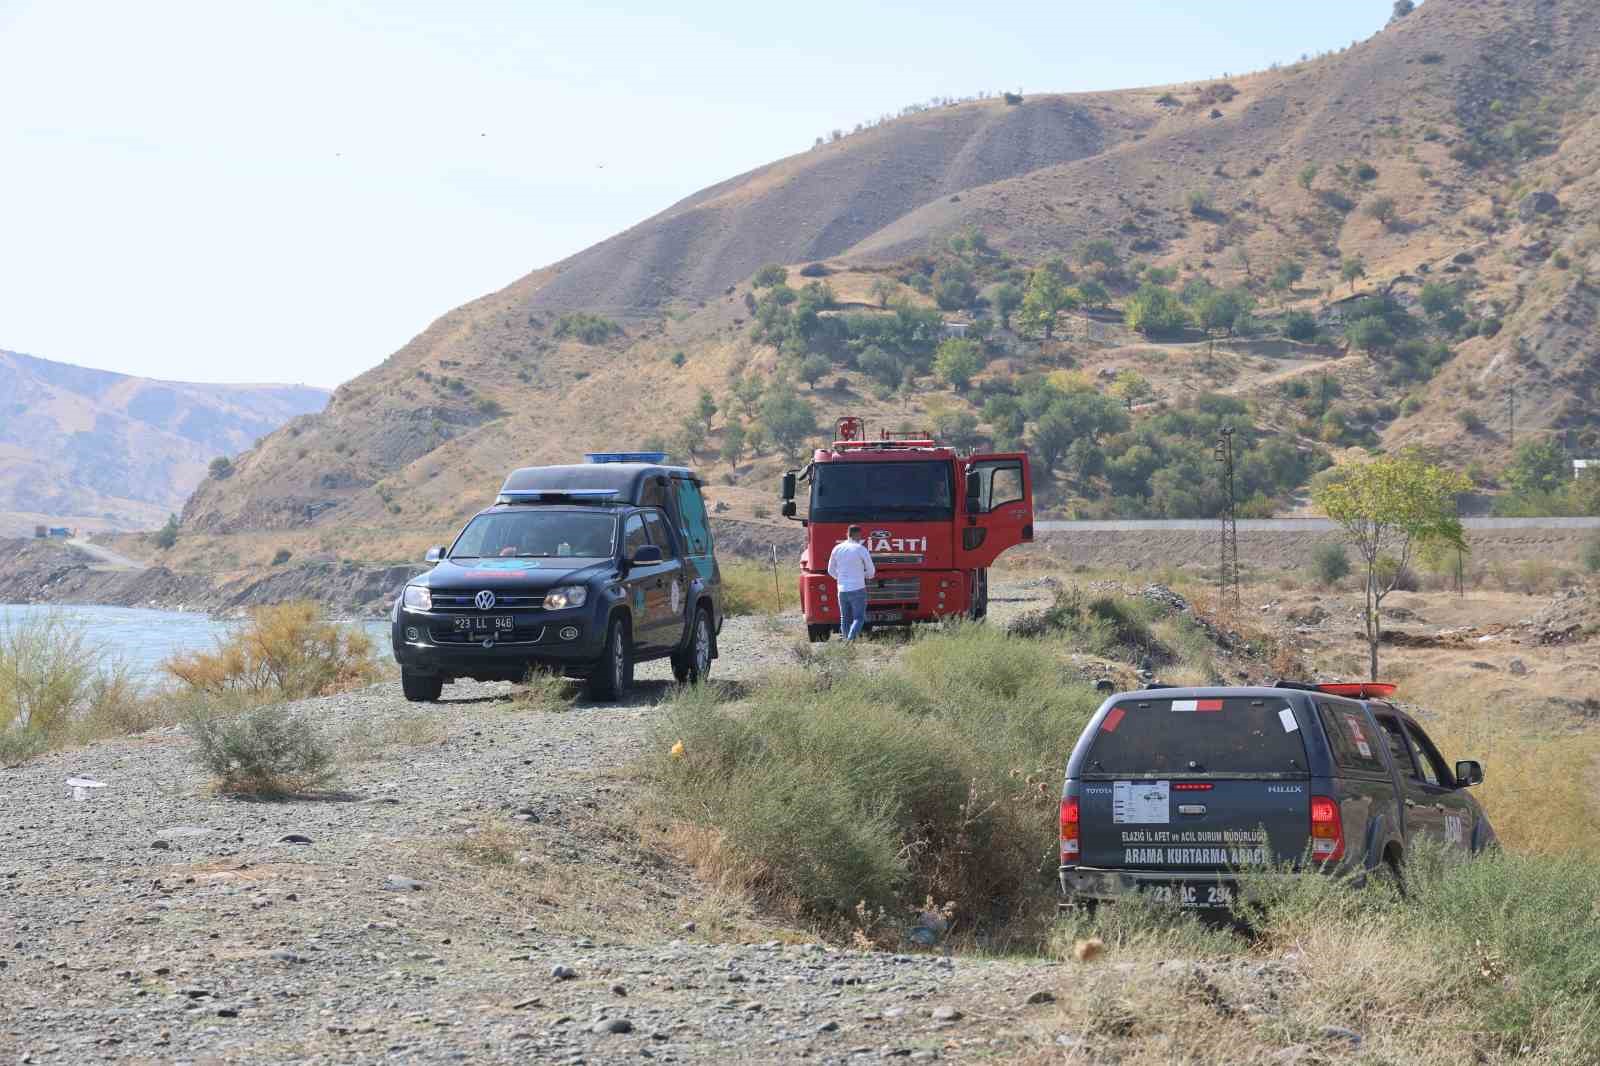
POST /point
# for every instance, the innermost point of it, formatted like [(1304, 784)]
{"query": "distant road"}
[(1291, 525), (106, 558)]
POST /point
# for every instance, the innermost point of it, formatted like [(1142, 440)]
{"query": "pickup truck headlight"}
[(566, 596), (418, 598)]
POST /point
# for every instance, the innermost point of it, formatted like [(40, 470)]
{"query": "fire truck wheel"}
[(818, 634)]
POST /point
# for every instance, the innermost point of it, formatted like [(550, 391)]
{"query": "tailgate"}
[(1190, 824), (1195, 784)]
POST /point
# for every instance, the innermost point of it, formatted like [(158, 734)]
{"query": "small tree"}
[(167, 535), (768, 276), (1383, 209), (787, 419), (1330, 564), (956, 361), (883, 290), (733, 441), (1537, 466), (1093, 294), (1155, 311), (1371, 334), (1047, 296), (1352, 268), (221, 468), (1131, 388), (1386, 508), (1308, 175), (705, 408), (747, 389), (1101, 251), (1402, 8), (812, 369), (1007, 298), (690, 437)]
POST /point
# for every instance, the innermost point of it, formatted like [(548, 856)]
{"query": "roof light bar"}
[(535, 495), (625, 457)]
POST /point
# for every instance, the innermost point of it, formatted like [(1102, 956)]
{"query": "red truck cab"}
[(933, 519)]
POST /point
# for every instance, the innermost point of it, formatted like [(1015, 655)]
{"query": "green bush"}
[(167, 535), (586, 328), (768, 276), (266, 751), (836, 788), (281, 556), (1330, 563)]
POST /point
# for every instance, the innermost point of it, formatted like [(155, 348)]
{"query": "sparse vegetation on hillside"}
[(587, 328)]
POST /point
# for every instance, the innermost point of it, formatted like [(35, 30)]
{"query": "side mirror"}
[(788, 486), (974, 492), (646, 553), (788, 508), (1469, 772), (434, 554)]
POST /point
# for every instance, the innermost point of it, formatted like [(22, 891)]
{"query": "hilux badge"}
[(484, 600)]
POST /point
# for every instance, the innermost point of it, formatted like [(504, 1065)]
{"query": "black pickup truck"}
[(1171, 792)]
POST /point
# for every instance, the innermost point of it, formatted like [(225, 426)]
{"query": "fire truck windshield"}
[(865, 491)]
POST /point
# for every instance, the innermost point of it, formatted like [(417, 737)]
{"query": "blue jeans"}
[(852, 612)]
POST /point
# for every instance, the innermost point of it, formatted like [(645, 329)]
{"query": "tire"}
[(421, 688), (818, 634), (693, 664), (613, 674)]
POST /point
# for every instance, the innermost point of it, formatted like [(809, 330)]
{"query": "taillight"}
[(1327, 830), (1069, 830)]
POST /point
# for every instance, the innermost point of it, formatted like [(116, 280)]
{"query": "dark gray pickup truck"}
[(1171, 792)]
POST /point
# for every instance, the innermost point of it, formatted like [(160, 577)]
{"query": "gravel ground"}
[(474, 892)]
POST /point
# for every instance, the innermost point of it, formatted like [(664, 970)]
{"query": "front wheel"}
[(818, 634), (693, 664), (421, 688), (613, 674)]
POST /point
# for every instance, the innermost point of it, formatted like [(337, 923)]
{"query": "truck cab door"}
[(996, 510)]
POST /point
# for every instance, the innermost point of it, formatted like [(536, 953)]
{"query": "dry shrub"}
[(267, 751), (287, 650), (542, 690), (374, 739), (748, 588)]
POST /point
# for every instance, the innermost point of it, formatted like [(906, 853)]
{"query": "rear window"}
[(1351, 738), (1198, 736)]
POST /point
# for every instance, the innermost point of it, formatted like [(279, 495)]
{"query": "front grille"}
[(899, 590), (519, 635), (897, 560), (456, 603)]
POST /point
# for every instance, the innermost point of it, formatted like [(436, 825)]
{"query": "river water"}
[(143, 639)]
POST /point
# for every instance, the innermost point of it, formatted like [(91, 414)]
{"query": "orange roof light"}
[(1359, 690)]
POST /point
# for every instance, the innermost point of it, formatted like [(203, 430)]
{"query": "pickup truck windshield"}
[(1182, 737), (534, 534), (868, 491)]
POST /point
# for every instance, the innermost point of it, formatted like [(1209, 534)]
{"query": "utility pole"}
[(1228, 573)]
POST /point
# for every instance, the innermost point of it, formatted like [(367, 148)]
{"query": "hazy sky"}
[(290, 190)]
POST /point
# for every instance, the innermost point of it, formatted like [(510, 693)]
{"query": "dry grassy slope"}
[(76, 442), (1037, 179)]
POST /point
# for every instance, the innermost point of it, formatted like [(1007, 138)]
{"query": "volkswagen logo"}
[(484, 600), (881, 534)]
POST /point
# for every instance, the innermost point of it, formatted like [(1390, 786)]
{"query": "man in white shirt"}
[(850, 565)]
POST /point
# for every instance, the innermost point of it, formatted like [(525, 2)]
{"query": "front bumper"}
[(425, 642), (892, 596)]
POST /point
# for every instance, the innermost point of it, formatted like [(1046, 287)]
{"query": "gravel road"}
[(474, 891)]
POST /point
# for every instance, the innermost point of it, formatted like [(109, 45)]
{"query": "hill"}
[(1404, 227), (95, 448)]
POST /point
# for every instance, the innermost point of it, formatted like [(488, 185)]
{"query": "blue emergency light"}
[(626, 457), (536, 495)]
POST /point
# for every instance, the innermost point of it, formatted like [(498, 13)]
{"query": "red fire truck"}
[(934, 521)]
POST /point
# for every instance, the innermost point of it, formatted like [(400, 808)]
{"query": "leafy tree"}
[(1402, 8), (880, 366), (1352, 268), (957, 361), (1155, 311), (1101, 251), (1081, 413), (883, 290), (167, 535), (691, 435), (1093, 294), (1285, 275), (787, 419), (1386, 508), (221, 468), (813, 368), (1308, 175), (768, 276), (756, 438), (1224, 310), (1084, 460), (959, 429), (1131, 388), (1300, 326), (747, 389), (1007, 298), (1370, 334), (733, 441), (705, 408), (1537, 466), (1439, 297), (1048, 295), (1005, 415), (953, 287), (1383, 209)]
